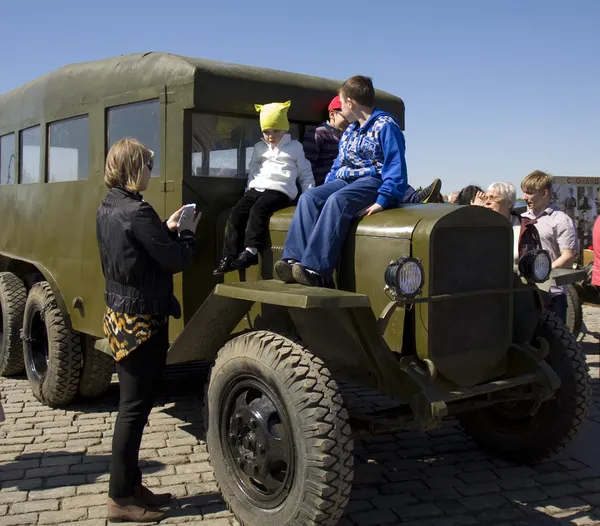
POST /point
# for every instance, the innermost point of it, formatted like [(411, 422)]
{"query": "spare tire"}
[(97, 371), (12, 305), (51, 350), (574, 310)]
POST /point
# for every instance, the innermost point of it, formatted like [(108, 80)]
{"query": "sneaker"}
[(143, 494), (307, 277), (131, 509), (283, 270), (429, 192), (224, 266), (244, 260)]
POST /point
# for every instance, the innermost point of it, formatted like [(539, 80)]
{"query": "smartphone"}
[(188, 213)]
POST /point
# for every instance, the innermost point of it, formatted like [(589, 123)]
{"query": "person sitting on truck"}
[(322, 143), (278, 163), (557, 232), (368, 175), (139, 255)]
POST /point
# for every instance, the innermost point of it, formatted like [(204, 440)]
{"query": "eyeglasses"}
[(150, 164), (493, 198)]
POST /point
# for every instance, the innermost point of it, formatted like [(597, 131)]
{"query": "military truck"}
[(428, 310)]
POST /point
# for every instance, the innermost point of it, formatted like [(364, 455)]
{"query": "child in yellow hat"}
[(278, 163)]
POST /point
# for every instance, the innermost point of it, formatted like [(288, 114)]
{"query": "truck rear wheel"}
[(97, 371), (12, 305), (574, 310), (531, 431), (278, 434), (51, 350)]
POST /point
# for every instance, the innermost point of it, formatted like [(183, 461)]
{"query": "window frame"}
[(241, 174), (22, 157), (120, 103), (47, 148), (15, 172)]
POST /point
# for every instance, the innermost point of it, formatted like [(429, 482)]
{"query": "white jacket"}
[(278, 168)]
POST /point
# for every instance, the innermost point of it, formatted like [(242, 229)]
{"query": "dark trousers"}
[(139, 374), (248, 222), (558, 304)]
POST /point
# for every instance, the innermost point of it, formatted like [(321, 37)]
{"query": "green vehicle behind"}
[(429, 312)]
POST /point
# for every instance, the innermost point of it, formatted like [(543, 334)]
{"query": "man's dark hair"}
[(360, 89), (467, 194)]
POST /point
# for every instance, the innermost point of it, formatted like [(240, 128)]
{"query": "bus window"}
[(68, 150), (222, 146), (7, 159), (141, 121), (29, 150)]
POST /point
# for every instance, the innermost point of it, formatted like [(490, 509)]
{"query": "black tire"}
[(97, 371), (278, 433), (52, 351), (574, 310), (12, 305), (508, 431)]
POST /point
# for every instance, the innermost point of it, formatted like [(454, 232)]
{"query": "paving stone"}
[(33, 506), (63, 516), (54, 468)]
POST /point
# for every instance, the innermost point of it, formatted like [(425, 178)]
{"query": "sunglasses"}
[(150, 164)]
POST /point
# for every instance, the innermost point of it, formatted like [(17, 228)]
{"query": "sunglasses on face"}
[(150, 164)]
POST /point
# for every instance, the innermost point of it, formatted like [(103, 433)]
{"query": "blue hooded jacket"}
[(377, 150)]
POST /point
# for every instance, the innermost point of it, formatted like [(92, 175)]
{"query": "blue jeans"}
[(559, 304), (322, 220)]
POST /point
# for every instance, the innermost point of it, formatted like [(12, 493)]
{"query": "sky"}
[(493, 89)]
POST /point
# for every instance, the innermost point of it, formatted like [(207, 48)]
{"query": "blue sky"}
[(493, 89)]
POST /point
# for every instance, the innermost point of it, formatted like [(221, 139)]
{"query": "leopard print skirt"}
[(126, 332)]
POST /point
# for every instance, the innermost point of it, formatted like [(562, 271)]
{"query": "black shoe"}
[(224, 266), (307, 277), (430, 192), (283, 270), (244, 260)]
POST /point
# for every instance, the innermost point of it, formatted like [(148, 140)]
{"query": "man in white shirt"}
[(556, 229)]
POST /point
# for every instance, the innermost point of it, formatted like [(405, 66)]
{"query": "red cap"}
[(335, 104)]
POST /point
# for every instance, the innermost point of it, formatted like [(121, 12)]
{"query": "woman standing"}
[(139, 256)]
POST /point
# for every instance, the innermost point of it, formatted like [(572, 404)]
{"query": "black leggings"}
[(140, 374), (248, 222)]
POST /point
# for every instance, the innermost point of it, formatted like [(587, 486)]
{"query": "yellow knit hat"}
[(273, 116)]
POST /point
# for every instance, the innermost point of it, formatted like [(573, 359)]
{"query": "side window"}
[(29, 152), (68, 150), (141, 121), (222, 146), (7, 159)]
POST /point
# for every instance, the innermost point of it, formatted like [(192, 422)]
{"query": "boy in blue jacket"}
[(368, 175)]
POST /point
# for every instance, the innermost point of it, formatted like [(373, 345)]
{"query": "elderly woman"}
[(139, 256), (501, 197)]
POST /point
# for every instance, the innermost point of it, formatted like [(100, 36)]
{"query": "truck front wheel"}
[(277, 433), (530, 431)]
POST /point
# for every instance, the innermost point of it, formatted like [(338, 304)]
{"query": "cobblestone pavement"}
[(54, 466)]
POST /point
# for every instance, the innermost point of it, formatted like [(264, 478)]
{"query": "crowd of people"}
[(352, 165)]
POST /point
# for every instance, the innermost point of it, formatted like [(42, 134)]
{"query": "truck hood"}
[(397, 223)]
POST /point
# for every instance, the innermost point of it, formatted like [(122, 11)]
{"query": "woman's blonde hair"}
[(125, 164)]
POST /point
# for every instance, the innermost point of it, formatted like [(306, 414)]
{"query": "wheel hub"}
[(259, 443)]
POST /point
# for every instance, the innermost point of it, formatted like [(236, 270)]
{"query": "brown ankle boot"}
[(131, 509), (143, 494)]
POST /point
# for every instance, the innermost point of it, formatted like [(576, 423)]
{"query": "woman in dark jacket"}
[(139, 256)]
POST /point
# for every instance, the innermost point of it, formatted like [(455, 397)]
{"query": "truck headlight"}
[(405, 277), (536, 265)]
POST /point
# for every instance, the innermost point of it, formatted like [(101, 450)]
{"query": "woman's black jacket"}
[(139, 255)]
